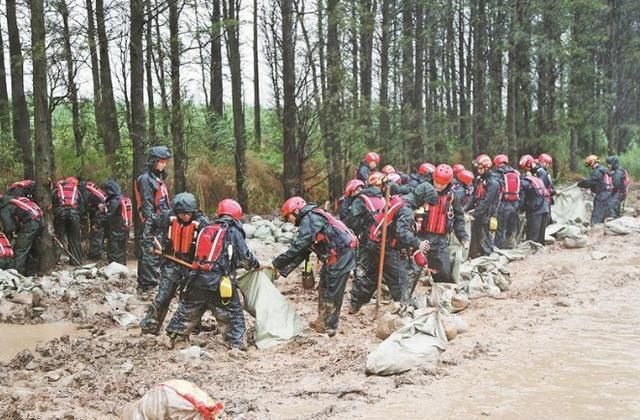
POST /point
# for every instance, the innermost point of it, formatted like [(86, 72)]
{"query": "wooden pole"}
[(383, 249)]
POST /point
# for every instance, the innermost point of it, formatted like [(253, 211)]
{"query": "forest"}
[(262, 100)]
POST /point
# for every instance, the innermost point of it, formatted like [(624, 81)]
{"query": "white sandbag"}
[(115, 269), (417, 345), (173, 399), (577, 242), (570, 205), (622, 226), (276, 318)]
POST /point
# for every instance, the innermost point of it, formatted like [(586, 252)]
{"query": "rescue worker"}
[(68, 206), (540, 168), (118, 222), (483, 207), (457, 168), (396, 185), (535, 201), (369, 163), (352, 188), (365, 205), (601, 185), (7, 260), (620, 180), (388, 170), (181, 230), (95, 199), (152, 198), (508, 208), (23, 219), (334, 244), (424, 174), (25, 188), (464, 187), (220, 250), (441, 219)]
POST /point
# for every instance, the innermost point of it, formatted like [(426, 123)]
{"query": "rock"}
[(67, 381), (115, 269), (31, 366), (563, 304), (191, 353), (126, 368), (126, 319), (573, 243), (249, 230), (262, 232), (20, 393), (459, 302), (54, 375), (596, 255), (23, 298), (255, 219)]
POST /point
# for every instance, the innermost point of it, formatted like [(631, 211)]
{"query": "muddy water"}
[(16, 338), (586, 366)]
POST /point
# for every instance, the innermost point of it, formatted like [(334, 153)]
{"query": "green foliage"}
[(631, 161)]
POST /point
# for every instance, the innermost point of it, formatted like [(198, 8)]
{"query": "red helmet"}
[(375, 178), (229, 207), (420, 259), (426, 168), (443, 174), (457, 168), (526, 162), (372, 157), (545, 158), (388, 169), (292, 205), (394, 177), (483, 161), (466, 177), (500, 160), (352, 186)]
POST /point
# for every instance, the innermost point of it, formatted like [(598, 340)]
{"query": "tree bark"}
[(332, 107), (216, 100), (153, 136), (231, 15), (367, 19), (108, 104), (408, 112), (21, 126), (479, 23), (292, 168), (257, 128), (160, 74), (95, 71), (5, 112), (385, 42), (72, 91), (44, 146), (136, 58), (177, 131)]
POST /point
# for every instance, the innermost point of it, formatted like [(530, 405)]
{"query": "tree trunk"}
[(153, 136), (231, 15), (385, 42), (177, 131), (256, 79), (463, 121), (332, 107), (367, 19), (5, 112), (71, 73), (111, 129), (216, 100), (292, 168), (138, 119), (160, 74), (44, 147), (479, 24), (95, 72), (21, 126), (496, 77), (408, 85), (418, 146)]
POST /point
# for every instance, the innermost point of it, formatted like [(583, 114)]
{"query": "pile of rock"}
[(270, 231)]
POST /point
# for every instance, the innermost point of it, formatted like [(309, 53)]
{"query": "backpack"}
[(511, 186), (209, 246), (375, 231), (67, 193), (6, 251)]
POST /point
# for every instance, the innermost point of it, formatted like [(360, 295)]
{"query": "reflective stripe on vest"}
[(96, 192), (28, 206), (511, 189), (608, 181), (126, 211), (6, 251), (338, 225), (395, 204), (68, 195), (373, 204), (182, 235), (439, 215)]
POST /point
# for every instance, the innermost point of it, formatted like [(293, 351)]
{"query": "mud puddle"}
[(16, 338), (586, 366)]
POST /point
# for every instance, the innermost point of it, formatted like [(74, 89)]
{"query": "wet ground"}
[(563, 343)]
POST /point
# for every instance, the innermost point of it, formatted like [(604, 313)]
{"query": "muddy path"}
[(562, 343)]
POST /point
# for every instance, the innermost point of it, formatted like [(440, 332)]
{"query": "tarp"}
[(276, 319), (570, 205), (417, 345)]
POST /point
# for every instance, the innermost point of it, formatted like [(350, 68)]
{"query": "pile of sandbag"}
[(12, 282), (270, 231)]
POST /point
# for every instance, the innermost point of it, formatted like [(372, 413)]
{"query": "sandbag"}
[(570, 205), (575, 242), (622, 226), (389, 323), (172, 400), (276, 319), (417, 345)]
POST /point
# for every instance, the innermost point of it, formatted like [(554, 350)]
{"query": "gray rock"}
[(288, 227), (249, 230), (191, 353), (126, 368), (255, 219)]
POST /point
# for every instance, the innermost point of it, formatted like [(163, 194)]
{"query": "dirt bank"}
[(519, 342)]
